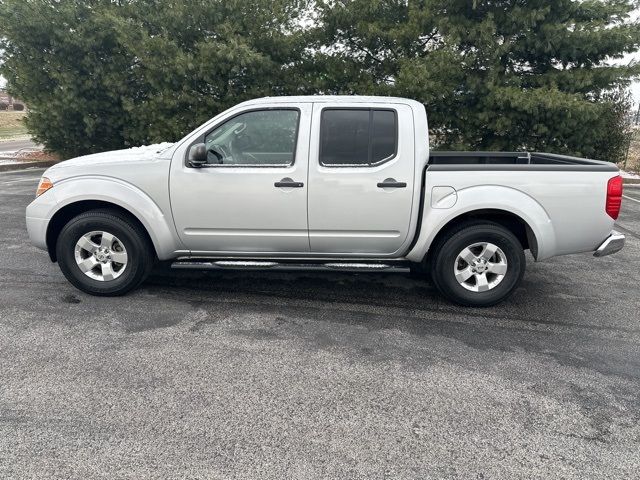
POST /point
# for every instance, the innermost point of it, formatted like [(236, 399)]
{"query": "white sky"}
[(635, 91), (635, 86)]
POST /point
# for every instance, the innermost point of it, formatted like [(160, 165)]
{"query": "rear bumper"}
[(613, 244)]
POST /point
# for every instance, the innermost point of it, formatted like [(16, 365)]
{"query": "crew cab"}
[(322, 182)]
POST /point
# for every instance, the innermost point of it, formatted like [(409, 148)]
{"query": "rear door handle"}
[(288, 183), (391, 183)]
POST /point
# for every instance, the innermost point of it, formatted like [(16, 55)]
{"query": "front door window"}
[(255, 138)]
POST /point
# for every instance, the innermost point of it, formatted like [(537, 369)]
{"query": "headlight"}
[(44, 185)]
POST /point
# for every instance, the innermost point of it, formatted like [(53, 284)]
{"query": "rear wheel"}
[(103, 252), (478, 264)]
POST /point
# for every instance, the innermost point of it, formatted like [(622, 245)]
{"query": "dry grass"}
[(36, 156), (12, 125), (633, 159)]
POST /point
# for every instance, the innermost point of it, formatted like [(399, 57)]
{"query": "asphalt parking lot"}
[(254, 375)]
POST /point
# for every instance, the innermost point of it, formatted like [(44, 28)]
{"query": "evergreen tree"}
[(493, 74), (66, 62), (503, 75), (104, 74)]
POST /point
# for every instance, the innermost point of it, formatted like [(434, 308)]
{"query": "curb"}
[(24, 165), (631, 181)]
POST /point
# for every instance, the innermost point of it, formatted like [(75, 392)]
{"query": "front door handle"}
[(288, 183), (391, 183)]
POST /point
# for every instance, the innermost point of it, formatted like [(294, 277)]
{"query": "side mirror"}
[(197, 155)]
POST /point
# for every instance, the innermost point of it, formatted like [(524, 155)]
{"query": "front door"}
[(251, 196), (361, 178)]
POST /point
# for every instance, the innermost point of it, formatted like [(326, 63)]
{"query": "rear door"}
[(361, 176)]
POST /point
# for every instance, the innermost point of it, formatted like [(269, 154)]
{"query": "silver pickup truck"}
[(339, 183)]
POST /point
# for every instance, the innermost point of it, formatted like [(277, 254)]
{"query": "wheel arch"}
[(507, 206), (509, 220), (71, 210), (76, 195)]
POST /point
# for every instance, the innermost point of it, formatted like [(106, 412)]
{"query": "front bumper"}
[(37, 229), (613, 244)]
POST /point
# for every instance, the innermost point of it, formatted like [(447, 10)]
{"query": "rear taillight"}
[(614, 197)]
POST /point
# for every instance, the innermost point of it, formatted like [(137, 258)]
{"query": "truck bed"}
[(450, 161)]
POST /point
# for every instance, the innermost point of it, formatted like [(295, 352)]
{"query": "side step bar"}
[(290, 266)]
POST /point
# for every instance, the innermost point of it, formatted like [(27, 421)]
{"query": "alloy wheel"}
[(480, 267), (101, 256)]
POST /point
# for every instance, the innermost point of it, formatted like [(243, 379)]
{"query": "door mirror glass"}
[(197, 155)]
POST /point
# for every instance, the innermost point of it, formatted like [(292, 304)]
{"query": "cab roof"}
[(330, 99)]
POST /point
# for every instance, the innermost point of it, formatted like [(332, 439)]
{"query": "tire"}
[(102, 237), (486, 285)]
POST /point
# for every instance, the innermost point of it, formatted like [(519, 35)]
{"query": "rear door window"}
[(357, 137)]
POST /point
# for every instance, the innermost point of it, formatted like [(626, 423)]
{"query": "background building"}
[(7, 102)]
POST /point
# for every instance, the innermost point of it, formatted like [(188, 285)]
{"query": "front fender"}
[(494, 197), (106, 189)]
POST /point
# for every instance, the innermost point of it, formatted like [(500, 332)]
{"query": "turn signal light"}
[(44, 185), (614, 197)]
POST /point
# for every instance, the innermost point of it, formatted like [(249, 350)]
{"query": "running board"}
[(284, 266)]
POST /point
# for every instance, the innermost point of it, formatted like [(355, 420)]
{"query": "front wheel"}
[(103, 252), (478, 264)]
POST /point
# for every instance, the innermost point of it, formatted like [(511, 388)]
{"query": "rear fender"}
[(493, 197)]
